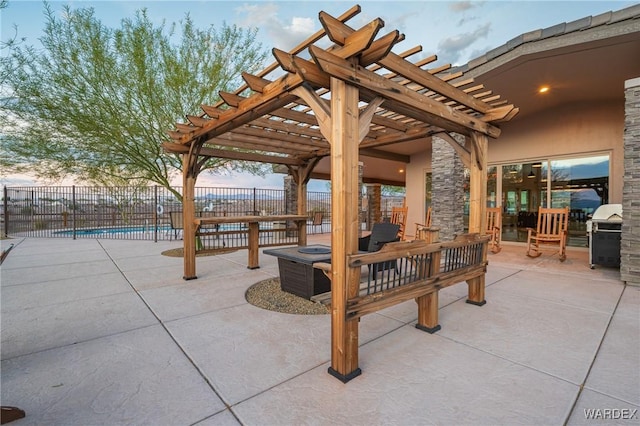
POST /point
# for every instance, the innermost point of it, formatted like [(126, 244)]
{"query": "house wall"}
[(574, 130), (414, 191)]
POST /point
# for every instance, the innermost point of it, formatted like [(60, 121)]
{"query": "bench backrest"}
[(552, 222), (419, 268)]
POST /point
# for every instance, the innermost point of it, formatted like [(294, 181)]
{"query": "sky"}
[(456, 31)]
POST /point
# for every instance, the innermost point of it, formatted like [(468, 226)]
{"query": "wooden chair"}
[(494, 228), (551, 230), (423, 229), (318, 217), (399, 217)]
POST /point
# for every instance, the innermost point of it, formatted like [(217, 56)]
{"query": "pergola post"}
[(344, 227), (478, 184), (188, 215), (478, 206), (301, 187)]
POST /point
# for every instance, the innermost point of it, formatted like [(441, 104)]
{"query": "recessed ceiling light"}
[(400, 170), (543, 89)]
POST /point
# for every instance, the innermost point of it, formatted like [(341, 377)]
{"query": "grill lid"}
[(608, 212)]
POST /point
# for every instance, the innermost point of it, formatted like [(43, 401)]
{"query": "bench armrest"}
[(326, 267)]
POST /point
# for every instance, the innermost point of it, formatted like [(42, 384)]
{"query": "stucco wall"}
[(420, 164)]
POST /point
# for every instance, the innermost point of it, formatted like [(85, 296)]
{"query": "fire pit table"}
[(297, 274)]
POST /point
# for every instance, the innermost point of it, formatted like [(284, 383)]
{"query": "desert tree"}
[(95, 102)]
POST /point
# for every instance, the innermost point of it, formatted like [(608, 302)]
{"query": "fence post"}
[(73, 210), (254, 201), (155, 227), (32, 212), (6, 211)]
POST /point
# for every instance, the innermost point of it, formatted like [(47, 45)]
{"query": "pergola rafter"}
[(355, 97)]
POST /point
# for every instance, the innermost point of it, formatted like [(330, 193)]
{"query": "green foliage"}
[(391, 190), (96, 102)]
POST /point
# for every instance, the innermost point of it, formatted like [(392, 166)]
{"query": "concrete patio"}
[(107, 332)]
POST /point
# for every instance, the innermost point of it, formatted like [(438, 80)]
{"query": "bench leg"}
[(428, 313), (476, 291)]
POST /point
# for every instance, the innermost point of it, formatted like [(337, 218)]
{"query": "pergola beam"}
[(411, 103), (239, 155)]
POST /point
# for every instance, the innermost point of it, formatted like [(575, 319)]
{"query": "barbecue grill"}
[(605, 230)]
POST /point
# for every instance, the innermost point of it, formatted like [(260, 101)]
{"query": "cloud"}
[(450, 49), (461, 6), (280, 33)]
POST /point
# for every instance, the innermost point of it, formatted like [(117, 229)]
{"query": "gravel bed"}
[(268, 295)]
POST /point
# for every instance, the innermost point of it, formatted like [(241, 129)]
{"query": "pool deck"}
[(98, 331)]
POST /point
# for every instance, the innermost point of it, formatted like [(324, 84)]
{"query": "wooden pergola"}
[(351, 98)]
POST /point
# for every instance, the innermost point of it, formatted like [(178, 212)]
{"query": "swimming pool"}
[(144, 229), (110, 231)]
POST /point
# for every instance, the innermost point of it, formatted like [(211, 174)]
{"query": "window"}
[(580, 183)]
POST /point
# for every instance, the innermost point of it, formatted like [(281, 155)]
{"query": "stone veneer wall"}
[(447, 189), (630, 244), (374, 200), (290, 195)]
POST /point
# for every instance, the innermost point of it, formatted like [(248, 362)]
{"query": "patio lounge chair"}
[(176, 223), (381, 233)]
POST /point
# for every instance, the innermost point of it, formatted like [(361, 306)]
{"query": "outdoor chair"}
[(381, 233), (551, 230), (176, 223), (423, 230), (399, 217), (318, 217), (494, 228)]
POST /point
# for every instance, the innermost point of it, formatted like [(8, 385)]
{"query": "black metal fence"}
[(143, 213)]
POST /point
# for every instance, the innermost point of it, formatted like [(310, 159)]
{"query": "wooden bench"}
[(422, 269)]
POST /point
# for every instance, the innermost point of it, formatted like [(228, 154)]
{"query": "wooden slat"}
[(334, 28), (255, 83), (197, 121), (185, 127), (380, 48), (231, 99), (212, 111)]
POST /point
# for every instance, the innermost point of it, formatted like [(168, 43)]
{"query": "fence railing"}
[(140, 212)]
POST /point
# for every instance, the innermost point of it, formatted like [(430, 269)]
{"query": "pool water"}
[(108, 231)]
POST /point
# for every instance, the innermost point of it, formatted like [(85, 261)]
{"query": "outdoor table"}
[(297, 274), (254, 229)]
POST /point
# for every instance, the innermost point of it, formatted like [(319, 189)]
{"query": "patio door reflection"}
[(523, 189), (582, 184)]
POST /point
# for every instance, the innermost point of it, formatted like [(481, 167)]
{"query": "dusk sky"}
[(456, 31)]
